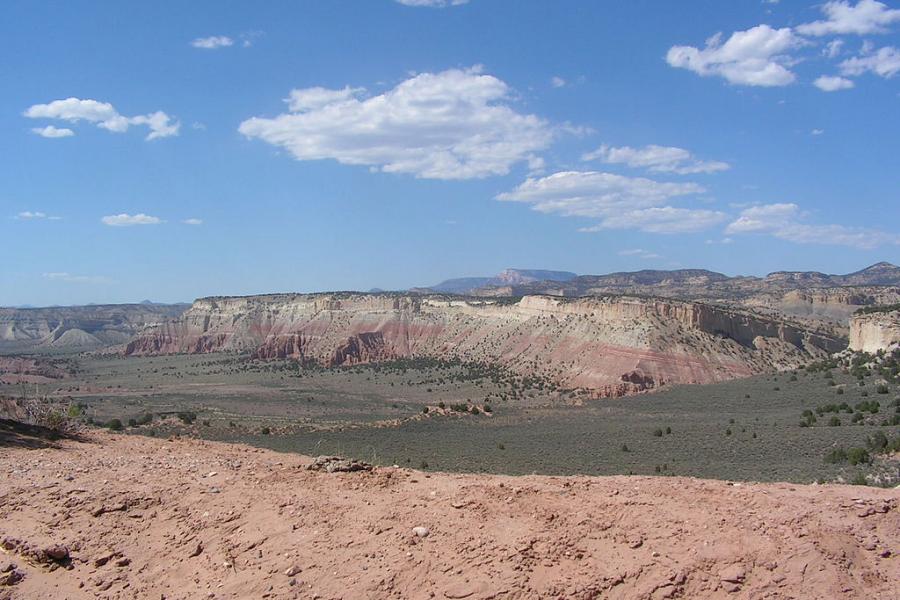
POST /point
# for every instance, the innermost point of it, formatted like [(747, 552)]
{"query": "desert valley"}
[(792, 377), (450, 300)]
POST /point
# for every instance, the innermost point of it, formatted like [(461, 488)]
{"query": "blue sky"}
[(171, 150)]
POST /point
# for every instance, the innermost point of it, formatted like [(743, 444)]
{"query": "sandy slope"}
[(146, 518)]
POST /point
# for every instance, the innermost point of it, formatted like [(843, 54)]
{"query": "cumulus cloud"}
[(618, 202), (828, 83), (53, 132), (104, 115), (213, 42), (866, 17), (557, 82), (126, 220), (660, 159), (755, 57), (193, 221), (70, 278), (433, 3), (456, 124), (786, 221), (884, 63), (817, 132)]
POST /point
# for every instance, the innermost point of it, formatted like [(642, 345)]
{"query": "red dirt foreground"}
[(120, 516)]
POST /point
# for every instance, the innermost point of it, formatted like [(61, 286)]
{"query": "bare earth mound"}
[(131, 517)]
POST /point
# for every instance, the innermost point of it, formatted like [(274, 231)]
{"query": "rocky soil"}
[(116, 516)]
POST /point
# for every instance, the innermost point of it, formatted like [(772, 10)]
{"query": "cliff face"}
[(874, 331), (613, 345)]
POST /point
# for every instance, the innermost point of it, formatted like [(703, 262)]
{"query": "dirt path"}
[(133, 517)]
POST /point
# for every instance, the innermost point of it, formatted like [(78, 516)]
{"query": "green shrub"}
[(857, 456), (265, 431), (834, 422), (836, 456), (114, 425), (657, 432)]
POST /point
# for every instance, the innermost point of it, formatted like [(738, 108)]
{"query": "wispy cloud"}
[(126, 220), (28, 215), (786, 221), (639, 253), (659, 159), (70, 278), (213, 42), (433, 3), (193, 221), (618, 202)]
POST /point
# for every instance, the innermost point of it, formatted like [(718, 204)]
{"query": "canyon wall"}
[(871, 332), (78, 327), (611, 345)]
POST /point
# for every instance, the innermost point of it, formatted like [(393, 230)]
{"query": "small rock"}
[(57, 552), (198, 549), (421, 531), (291, 571), (733, 574)]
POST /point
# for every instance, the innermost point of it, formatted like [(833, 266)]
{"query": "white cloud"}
[(433, 3), (456, 124), (619, 202), (193, 221), (828, 83), (126, 220), (833, 48), (557, 82), (817, 132), (28, 215), (69, 278), (640, 253), (785, 221), (660, 159), (866, 17), (662, 219), (213, 42), (104, 115), (53, 132), (723, 241), (754, 57), (884, 63)]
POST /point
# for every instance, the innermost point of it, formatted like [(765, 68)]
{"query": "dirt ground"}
[(119, 516)]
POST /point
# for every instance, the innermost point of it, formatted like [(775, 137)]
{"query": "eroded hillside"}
[(611, 345)]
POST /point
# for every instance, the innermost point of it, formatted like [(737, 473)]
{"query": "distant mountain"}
[(79, 327), (466, 285)]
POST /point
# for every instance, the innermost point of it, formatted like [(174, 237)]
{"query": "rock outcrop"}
[(875, 330), (613, 345), (79, 327)]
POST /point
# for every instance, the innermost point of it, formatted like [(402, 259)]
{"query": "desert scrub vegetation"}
[(62, 417)]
